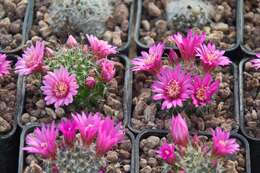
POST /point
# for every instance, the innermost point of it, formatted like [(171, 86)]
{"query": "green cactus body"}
[(80, 64), (78, 159), (196, 160)]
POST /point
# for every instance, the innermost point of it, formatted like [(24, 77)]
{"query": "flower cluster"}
[(178, 80), (5, 65), (73, 73), (97, 136), (193, 154)]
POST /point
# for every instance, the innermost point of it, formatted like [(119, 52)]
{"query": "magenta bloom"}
[(203, 90), (173, 87), (149, 61), (5, 65), (59, 87), (43, 141), (256, 62), (166, 152), (71, 42), (31, 61), (90, 82), (88, 124), (223, 145), (68, 129), (179, 130), (173, 57), (187, 45), (109, 135), (100, 48), (108, 70), (211, 57)]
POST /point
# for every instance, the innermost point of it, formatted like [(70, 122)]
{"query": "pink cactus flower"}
[(88, 125), (179, 131), (90, 82), (49, 52), (71, 42), (187, 45), (68, 129), (100, 48), (223, 145), (166, 152), (203, 90), (256, 62), (109, 135), (211, 57), (149, 61), (31, 61), (59, 87), (108, 70), (173, 87), (43, 141), (5, 65), (173, 57)]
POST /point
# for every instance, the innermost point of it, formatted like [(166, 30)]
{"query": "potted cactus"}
[(9, 101), (107, 19), (159, 19), (86, 143), (75, 77), (201, 89), (180, 152), (248, 80)]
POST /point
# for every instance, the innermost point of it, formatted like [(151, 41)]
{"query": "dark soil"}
[(8, 85), (252, 25), (251, 100), (12, 14)]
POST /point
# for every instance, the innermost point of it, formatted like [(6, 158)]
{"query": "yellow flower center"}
[(166, 152), (173, 89), (44, 145), (201, 93), (212, 57), (222, 143), (61, 89)]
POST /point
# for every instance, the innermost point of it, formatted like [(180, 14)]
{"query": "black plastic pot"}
[(125, 47), (162, 133), (239, 24), (9, 142), (126, 96), (29, 129), (27, 23), (246, 51), (234, 70), (241, 100)]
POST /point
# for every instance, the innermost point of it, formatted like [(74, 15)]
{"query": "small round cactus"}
[(87, 16), (182, 14)]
